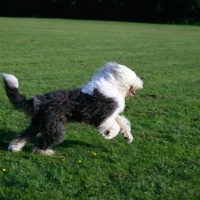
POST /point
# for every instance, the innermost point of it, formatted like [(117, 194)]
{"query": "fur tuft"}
[(18, 100), (10, 80)]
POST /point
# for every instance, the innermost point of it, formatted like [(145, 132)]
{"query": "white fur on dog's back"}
[(10, 80)]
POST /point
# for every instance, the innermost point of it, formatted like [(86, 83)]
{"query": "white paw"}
[(47, 152), (109, 136), (13, 148), (130, 139), (16, 146)]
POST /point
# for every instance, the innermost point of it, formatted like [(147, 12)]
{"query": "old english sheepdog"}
[(97, 103)]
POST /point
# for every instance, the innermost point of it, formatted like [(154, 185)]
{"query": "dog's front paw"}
[(109, 135), (129, 138)]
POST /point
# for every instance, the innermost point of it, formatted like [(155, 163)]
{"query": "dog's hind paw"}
[(47, 152), (16, 146)]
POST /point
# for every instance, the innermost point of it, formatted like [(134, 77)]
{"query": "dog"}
[(98, 103)]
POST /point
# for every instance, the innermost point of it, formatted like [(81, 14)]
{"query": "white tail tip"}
[(10, 80)]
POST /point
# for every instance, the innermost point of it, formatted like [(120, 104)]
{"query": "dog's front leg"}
[(125, 127), (109, 129)]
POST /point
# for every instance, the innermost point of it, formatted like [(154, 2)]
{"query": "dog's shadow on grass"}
[(6, 136), (72, 143)]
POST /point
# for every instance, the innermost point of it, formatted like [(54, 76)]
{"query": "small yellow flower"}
[(4, 169), (94, 153), (165, 147), (79, 161)]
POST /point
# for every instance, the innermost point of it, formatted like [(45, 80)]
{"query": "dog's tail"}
[(18, 100)]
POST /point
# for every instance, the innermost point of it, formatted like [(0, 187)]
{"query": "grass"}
[(163, 162)]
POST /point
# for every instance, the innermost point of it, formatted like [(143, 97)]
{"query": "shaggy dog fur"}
[(98, 103)]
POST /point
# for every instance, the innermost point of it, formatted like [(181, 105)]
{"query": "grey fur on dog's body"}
[(50, 112)]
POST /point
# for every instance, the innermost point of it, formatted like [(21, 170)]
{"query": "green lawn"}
[(163, 161)]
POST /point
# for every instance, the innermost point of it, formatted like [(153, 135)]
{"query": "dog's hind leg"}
[(53, 135), (125, 127), (23, 138)]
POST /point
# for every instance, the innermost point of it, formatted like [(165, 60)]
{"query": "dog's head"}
[(125, 78)]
